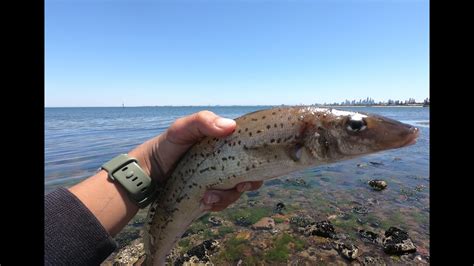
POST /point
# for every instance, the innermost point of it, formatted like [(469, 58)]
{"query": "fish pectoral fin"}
[(295, 151)]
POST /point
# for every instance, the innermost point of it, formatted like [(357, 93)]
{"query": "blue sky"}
[(101, 53)]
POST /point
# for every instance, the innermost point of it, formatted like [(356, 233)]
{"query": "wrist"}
[(107, 200), (126, 171), (148, 159)]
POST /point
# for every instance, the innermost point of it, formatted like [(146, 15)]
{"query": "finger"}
[(189, 129)]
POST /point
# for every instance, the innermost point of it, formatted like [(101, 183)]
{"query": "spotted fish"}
[(265, 144)]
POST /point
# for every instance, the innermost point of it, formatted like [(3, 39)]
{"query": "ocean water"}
[(79, 140)]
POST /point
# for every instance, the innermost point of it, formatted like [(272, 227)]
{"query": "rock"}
[(252, 203), (307, 226), (322, 228), (374, 224), (299, 182), (279, 208), (397, 242), (199, 253), (348, 251), (376, 163), (372, 201), (265, 223), (420, 188), (245, 235), (130, 254), (215, 221), (262, 244), (301, 221), (242, 221), (368, 260), (419, 259), (378, 184), (341, 236), (360, 210), (368, 236), (252, 194)]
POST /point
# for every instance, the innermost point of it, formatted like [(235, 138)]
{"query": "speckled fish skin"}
[(265, 144)]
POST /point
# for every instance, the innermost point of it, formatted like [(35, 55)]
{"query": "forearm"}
[(107, 200)]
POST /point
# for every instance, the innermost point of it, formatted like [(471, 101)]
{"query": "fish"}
[(265, 144)]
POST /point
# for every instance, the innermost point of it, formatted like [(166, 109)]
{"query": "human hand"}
[(159, 155)]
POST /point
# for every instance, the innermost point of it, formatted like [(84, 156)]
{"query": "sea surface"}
[(79, 140)]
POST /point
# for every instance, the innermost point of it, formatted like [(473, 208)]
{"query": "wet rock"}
[(307, 226), (266, 223), (215, 221), (410, 194), (301, 221), (419, 259), (376, 163), (360, 210), (397, 242), (368, 236), (420, 188), (299, 182), (199, 253), (130, 254), (341, 236), (279, 208), (242, 221), (368, 260), (346, 216), (348, 251), (245, 235), (186, 233), (378, 184), (252, 194), (372, 201), (322, 228), (252, 203), (374, 224)]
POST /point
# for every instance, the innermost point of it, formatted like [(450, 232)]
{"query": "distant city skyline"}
[(145, 53)]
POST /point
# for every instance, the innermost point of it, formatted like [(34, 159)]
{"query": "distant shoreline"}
[(410, 106), (178, 106)]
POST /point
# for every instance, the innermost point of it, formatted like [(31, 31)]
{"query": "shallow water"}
[(79, 140)]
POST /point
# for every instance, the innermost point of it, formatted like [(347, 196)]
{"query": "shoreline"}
[(381, 106), (193, 106)]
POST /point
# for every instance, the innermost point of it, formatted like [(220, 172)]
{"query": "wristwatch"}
[(139, 186)]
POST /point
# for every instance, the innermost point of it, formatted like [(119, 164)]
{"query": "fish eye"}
[(356, 125)]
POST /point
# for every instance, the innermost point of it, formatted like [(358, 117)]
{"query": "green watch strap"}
[(126, 171)]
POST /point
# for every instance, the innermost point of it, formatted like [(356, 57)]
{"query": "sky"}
[(151, 53)]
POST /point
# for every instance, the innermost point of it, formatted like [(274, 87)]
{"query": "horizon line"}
[(234, 105)]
